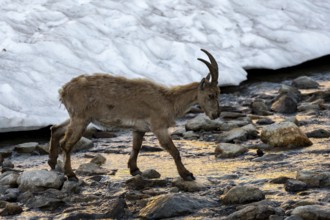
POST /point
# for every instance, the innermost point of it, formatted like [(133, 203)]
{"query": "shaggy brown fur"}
[(138, 104)]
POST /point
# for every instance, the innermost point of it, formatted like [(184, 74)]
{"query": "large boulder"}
[(174, 205), (243, 194), (284, 134), (253, 212), (40, 179)]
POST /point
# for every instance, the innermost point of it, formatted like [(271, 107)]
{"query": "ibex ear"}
[(202, 84)]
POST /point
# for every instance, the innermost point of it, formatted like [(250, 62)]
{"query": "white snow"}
[(44, 43)]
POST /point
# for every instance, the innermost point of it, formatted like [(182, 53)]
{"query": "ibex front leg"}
[(73, 133), (57, 133), (137, 143), (167, 143)]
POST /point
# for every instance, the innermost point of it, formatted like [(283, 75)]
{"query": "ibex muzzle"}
[(140, 105)]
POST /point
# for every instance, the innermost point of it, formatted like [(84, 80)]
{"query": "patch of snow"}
[(44, 43)]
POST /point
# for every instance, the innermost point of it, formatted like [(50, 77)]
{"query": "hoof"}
[(73, 178), (189, 177), (135, 172), (52, 164)]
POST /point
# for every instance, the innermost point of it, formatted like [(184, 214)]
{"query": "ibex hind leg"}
[(137, 143), (57, 133), (73, 133)]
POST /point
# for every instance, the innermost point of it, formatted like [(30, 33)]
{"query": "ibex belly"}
[(136, 124)]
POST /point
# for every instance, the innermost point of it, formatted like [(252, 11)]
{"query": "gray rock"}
[(10, 195), (318, 133), (90, 169), (309, 106), (191, 186), (243, 194), (259, 107), (276, 217), (259, 212), (312, 212), (202, 122), (40, 179), (314, 178), (71, 187), (305, 82), (83, 144), (291, 91), (99, 159), (45, 202), (284, 134), (226, 150), (7, 164), (26, 147), (293, 217), (238, 134), (174, 205), (285, 104), (265, 121), (9, 178), (279, 180), (8, 209), (270, 157), (190, 135), (292, 185), (150, 174), (138, 182)]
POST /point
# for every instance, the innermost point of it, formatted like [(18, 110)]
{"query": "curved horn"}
[(213, 66)]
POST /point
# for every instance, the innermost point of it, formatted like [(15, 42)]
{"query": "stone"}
[(270, 157), (44, 202), (238, 134), (305, 82), (40, 179), (83, 144), (10, 195), (7, 164), (9, 178), (90, 169), (242, 194), (284, 134), (253, 212), (279, 180), (310, 106), (285, 104), (312, 212), (232, 114), (202, 122), (99, 159), (226, 150), (265, 121), (318, 133), (138, 182), (26, 147), (190, 135), (8, 209), (314, 178), (71, 187), (291, 91), (259, 107), (293, 217), (174, 205), (191, 186), (150, 174), (292, 185)]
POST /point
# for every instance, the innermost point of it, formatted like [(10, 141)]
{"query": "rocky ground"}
[(266, 157)]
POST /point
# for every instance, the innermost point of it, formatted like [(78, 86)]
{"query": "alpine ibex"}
[(139, 104)]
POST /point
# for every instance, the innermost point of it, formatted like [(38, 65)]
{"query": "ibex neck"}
[(184, 97)]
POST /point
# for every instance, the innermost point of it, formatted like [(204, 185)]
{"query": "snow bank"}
[(44, 43)]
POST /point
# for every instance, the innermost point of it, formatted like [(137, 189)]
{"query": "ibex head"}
[(208, 91)]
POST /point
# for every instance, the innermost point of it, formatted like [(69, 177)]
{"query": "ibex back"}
[(130, 103)]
